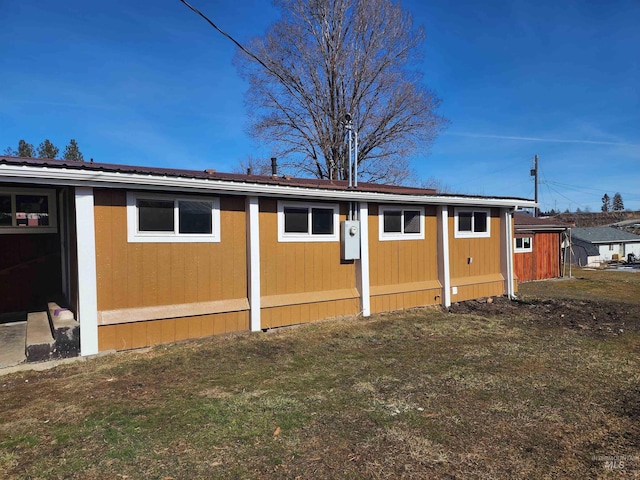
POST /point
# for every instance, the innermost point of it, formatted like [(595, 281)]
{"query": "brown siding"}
[(410, 265), (482, 277), (296, 268), (141, 334), (542, 262), (136, 275)]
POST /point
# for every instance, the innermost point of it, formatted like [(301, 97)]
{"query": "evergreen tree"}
[(24, 150), (606, 203), (618, 204), (72, 152), (47, 150)]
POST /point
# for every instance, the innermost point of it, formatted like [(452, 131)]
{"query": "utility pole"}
[(534, 173)]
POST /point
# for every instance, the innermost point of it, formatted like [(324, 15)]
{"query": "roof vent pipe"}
[(274, 166)]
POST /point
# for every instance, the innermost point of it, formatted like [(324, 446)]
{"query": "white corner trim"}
[(87, 287), (445, 273), (363, 263), (253, 262), (509, 244)]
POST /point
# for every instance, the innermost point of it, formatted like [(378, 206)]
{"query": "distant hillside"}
[(601, 219)]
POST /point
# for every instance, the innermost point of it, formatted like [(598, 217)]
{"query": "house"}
[(611, 244), (144, 256), (537, 247)]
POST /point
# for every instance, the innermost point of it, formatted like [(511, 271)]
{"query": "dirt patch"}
[(591, 317)]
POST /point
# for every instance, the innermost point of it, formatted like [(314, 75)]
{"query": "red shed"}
[(537, 247)]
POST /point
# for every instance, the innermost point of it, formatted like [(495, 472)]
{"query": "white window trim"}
[(308, 237), (134, 236), (472, 234), (53, 218), (385, 236), (523, 249)]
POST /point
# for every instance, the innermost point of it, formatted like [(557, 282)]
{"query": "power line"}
[(239, 45), (587, 189)]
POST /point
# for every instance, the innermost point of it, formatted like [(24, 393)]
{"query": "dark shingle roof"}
[(526, 223), (604, 235), (589, 248)]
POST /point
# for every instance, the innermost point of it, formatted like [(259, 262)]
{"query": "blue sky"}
[(150, 83)]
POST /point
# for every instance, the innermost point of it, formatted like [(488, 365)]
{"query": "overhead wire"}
[(588, 189), (240, 46)]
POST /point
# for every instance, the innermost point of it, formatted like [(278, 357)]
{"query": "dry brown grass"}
[(589, 284), (417, 394)]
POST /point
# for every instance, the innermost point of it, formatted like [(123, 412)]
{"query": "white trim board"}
[(87, 279)]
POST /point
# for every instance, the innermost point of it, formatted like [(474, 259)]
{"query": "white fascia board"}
[(90, 178), (609, 242)]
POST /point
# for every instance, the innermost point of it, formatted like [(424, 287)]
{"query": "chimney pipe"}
[(274, 166)]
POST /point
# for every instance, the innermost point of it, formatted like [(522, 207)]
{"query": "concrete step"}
[(66, 331), (39, 342)]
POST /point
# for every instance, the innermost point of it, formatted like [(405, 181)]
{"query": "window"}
[(472, 223), (400, 223), (163, 218), (32, 211), (522, 244), (307, 222)]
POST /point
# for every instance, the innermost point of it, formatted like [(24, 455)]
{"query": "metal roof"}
[(65, 172), (212, 174)]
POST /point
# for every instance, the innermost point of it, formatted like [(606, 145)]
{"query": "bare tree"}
[(253, 165), (327, 58), (436, 184)]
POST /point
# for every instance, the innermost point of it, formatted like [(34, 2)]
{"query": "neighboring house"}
[(145, 256), (537, 247), (612, 244)]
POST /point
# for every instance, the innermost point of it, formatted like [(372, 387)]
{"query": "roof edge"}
[(107, 176)]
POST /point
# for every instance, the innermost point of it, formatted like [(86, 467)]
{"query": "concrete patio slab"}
[(12, 340)]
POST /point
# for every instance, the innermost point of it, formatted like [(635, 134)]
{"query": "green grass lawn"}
[(417, 394)]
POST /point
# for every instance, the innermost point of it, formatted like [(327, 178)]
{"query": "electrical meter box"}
[(350, 240)]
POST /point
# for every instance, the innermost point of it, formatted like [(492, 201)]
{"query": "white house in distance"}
[(612, 243)]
